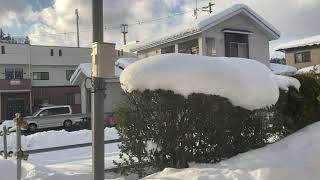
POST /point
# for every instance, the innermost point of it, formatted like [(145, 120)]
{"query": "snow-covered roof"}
[(205, 23), (84, 70), (315, 69), (282, 69), (244, 82), (309, 41)]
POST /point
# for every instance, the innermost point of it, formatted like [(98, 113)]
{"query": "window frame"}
[(14, 72), (71, 98), (60, 52), (51, 52), (304, 55), (70, 75), (41, 76), (3, 50)]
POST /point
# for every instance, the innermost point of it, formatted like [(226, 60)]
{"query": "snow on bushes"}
[(196, 109), (245, 83)]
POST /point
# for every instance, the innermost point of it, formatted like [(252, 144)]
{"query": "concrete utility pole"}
[(77, 20), (97, 102), (195, 12), (124, 31)]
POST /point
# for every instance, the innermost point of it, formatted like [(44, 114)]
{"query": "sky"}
[(52, 22)]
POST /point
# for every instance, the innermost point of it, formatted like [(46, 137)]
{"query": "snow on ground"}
[(315, 69), (67, 164), (309, 41), (246, 83), (282, 69), (293, 158)]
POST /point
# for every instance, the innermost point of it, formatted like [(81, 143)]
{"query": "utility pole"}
[(97, 102), (77, 20), (124, 31), (195, 12), (208, 8)]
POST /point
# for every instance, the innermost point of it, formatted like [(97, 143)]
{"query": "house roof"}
[(205, 23), (309, 41), (84, 70)]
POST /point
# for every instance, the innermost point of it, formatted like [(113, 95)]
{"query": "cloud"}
[(56, 24)]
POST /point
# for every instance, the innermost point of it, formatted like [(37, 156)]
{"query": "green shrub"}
[(297, 109), (201, 128)]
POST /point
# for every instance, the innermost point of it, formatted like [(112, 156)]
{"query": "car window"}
[(46, 112)]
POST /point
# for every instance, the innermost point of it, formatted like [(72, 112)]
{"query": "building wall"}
[(55, 96), (315, 57), (15, 54), (258, 41), (26, 71), (40, 55), (57, 75)]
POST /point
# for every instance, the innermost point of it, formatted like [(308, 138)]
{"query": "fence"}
[(23, 155)]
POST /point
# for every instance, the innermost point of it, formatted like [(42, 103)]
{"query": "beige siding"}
[(315, 58)]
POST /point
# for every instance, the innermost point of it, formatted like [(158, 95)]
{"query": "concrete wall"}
[(57, 75), (114, 97), (315, 57), (40, 55), (15, 54)]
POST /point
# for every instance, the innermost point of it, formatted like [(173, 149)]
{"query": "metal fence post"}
[(5, 149), (18, 143)]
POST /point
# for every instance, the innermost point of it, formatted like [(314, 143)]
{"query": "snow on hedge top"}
[(310, 41), (202, 24), (315, 69), (246, 83), (281, 68)]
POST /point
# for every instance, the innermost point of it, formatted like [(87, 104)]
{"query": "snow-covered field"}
[(293, 158), (66, 164)]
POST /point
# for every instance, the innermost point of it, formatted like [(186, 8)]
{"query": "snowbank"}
[(55, 138), (309, 41), (282, 69), (246, 83), (293, 158), (315, 69)]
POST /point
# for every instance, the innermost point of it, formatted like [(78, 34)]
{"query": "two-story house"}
[(234, 32), (32, 76), (302, 53)]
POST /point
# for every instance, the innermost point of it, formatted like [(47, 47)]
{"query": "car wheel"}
[(32, 128), (67, 124)]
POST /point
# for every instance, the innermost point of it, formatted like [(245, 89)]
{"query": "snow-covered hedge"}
[(184, 108)]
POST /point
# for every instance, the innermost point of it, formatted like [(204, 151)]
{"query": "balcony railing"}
[(15, 84)]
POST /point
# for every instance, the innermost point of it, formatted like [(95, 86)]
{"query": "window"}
[(169, 49), (69, 74), (302, 57), (51, 52), (3, 50), (60, 52), (41, 76), (13, 73), (211, 47), (236, 45), (73, 98)]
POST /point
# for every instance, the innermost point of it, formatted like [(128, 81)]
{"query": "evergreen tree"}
[(2, 34), (27, 40)]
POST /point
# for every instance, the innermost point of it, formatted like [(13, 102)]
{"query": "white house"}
[(113, 92), (235, 32), (32, 76)]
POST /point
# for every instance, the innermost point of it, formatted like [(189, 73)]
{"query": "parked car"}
[(51, 117)]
